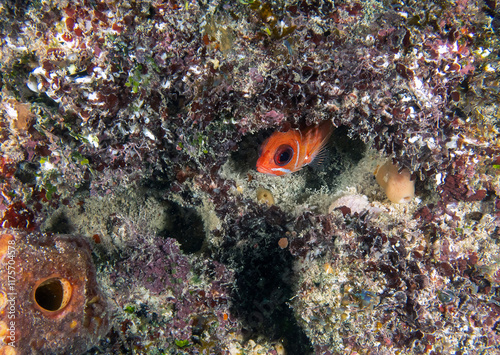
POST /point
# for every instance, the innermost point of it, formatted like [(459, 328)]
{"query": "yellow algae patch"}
[(328, 268)]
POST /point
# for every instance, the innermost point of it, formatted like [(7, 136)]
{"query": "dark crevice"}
[(59, 224), (185, 225), (263, 278)]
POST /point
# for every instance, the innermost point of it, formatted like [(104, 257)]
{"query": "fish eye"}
[(283, 155)]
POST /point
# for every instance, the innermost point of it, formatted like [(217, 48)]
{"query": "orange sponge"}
[(398, 186), (50, 302)]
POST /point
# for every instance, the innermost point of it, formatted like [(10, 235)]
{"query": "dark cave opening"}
[(264, 278), (186, 226)]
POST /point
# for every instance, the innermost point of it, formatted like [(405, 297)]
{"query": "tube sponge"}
[(50, 302), (398, 186)]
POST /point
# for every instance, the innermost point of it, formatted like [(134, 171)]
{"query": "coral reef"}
[(137, 125), (182, 301), (50, 301), (384, 284)]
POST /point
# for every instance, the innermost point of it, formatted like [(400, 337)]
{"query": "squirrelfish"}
[(287, 152)]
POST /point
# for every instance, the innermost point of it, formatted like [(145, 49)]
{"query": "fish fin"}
[(324, 145), (321, 157), (328, 126)]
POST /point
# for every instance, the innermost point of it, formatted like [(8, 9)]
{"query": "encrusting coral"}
[(50, 302)]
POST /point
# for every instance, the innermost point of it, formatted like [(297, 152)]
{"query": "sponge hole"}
[(53, 294)]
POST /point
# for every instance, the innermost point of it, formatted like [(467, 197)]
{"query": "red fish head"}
[(287, 152), (278, 155)]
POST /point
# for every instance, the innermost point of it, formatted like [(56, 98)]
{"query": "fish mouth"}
[(264, 170), (261, 166), (270, 171)]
